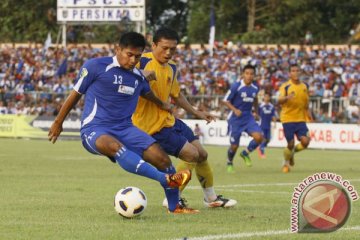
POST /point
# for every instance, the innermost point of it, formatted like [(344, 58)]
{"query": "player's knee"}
[(234, 148), (203, 155), (195, 156), (305, 142), (192, 156), (258, 139), (114, 147)]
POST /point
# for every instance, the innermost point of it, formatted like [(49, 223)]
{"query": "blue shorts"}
[(235, 130), (131, 137), (172, 139), (267, 133), (295, 128)]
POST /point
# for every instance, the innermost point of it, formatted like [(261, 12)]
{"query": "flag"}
[(212, 30), (62, 68), (47, 43)]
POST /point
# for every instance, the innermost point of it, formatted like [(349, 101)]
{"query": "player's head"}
[(267, 97), (248, 74), (294, 72), (131, 46), (164, 44)]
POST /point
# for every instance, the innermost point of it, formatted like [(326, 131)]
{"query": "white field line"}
[(253, 234), (259, 185), (254, 191)]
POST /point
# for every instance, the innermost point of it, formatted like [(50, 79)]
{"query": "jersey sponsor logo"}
[(126, 90), (266, 111), (245, 98)]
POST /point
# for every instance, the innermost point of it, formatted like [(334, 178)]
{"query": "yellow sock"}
[(182, 166), (205, 174), (287, 154), (299, 147)]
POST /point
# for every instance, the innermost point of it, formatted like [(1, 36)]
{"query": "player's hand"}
[(206, 116), (149, 75), (256, 116), (237, 112), (54, 132), (291, 96)]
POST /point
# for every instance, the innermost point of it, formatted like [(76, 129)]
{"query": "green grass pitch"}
[(62, 192)]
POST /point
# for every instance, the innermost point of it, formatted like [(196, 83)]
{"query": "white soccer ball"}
[(130, 202)]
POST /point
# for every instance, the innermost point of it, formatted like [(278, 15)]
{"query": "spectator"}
[(198, 132)]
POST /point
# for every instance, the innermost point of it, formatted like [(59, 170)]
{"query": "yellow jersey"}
[(295, 109), (148, 116)]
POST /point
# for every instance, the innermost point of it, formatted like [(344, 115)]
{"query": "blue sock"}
[(252, 145), (231, 155), (172, 194), (245, 153), (263, 146), (133, 163)]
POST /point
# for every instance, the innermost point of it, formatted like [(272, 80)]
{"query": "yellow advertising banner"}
[(12, 125)]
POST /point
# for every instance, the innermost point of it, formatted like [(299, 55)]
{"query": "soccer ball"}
[(130, 202)]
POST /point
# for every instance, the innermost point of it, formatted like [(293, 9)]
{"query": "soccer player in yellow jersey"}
[(294, 101), (173, 135)]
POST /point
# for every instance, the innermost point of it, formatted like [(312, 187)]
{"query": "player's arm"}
[(236, 111), (149, 75), (256, 107), (230, 95), (153, 98), (283, 99), (181, 101), (56, 127)]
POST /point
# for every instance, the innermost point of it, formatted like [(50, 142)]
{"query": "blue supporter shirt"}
[(266, 112), (111, 92), (242, 97)]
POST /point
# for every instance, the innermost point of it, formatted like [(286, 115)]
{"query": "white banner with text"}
[(323, 136)]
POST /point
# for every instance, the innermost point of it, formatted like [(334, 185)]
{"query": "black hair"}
[(249, 66), (132, 39), (293, 65), (165, 33)]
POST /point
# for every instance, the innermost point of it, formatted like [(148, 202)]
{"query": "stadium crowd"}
[(35, 80)]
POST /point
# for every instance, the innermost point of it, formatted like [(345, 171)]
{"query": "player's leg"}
[(302, 133), (173, 143), (234, 132), (103, 143), (154, 154), (205, 176), (289, 131), (145, 145), (254, 130), (264, 143)]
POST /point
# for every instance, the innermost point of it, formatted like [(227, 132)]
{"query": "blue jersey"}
[(111, 92), (242, 97), (266, 112)]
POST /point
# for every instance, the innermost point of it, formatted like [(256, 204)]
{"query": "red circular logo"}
[(326, 206)]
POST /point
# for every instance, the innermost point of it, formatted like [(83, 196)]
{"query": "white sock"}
[(287, 163), (209, 194)]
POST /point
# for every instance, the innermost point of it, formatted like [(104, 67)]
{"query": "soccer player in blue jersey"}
[(267, 114), (112, 86), (240, 99)]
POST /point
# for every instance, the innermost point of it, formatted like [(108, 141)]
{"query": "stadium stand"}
[(34, 80)]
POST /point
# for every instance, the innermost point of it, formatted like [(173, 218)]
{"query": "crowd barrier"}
[(323, 136)]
